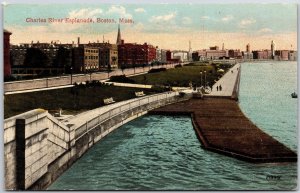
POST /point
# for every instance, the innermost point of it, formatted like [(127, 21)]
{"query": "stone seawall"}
[(38, 148)]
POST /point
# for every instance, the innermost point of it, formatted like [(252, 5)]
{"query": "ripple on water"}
[(163, 153)]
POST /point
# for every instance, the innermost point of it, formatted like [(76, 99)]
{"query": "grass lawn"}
[(72, 100), (179, 76)]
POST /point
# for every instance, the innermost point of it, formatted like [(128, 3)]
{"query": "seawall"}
[(38, 148)]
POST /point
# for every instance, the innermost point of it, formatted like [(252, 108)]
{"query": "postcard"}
[(184, 96)]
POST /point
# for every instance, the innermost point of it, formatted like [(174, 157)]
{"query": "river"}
[(163, 153)]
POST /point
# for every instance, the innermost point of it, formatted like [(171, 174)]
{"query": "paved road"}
[(227, 83)]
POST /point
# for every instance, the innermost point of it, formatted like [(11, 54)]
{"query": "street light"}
[(71, 75), (201, 78), (205, 79)]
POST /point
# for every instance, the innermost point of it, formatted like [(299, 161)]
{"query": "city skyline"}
[(162, 25)]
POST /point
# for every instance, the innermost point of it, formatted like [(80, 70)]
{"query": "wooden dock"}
[(222, 127)]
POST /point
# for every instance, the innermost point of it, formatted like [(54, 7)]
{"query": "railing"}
[(146, 101)]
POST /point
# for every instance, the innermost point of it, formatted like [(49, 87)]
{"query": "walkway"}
[(227, 83), (222, 127), (39, 89)]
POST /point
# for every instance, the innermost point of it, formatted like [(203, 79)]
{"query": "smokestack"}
[(78, 41)]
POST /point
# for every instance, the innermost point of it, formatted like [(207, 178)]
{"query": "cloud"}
[(139, 10), (84, 13), (205, 17), (265, 30), (120, 10), (78, 13), (246, 22), (186, 20), (227, 18), (163, 18)]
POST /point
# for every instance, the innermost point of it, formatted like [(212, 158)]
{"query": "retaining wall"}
[(38, 148)]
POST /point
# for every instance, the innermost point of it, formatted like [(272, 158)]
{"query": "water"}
[(163, 153)]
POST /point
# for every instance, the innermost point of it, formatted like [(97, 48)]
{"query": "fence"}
[(71, 79)]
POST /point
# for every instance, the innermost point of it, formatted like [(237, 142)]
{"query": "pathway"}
[(227, 83)]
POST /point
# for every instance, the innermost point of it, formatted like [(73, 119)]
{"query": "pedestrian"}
[(220, 87), (217, 88)]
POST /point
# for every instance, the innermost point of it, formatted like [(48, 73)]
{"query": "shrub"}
[(153, 70), (157, 88), (121, 78), (181, 94), (178, 66)]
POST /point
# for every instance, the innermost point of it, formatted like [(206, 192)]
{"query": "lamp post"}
[(201, 79), (134, 60), (205, 79), (71, 75)]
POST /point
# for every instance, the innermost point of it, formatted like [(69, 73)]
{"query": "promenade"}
[(227, 82), (222, 127)]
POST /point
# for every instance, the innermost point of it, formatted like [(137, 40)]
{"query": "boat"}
[(294, 95)]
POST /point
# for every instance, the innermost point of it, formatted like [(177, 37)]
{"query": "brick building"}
[(133, 55), (262, 54), (234, 54), (282, 55), (6, 52)]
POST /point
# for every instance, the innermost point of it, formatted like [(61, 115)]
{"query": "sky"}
[(168, 26)]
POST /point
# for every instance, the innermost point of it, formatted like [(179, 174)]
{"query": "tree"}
[(108, 69), (123, 67), (63, 58), (36, 58)]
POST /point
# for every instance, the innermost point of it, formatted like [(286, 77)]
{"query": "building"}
[(108, 54), (133, 55), (195, 56), (85, 59), (49, 50), (247, 55), (119, 39), (282, 55), (235, 54), (293, 55), (18, 53), (215, 54), (6, 52), (262, 54), (248, 48), (163, 56), (41, 58), (273, 47), (181, 56), (158, 54), (214, 48)]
